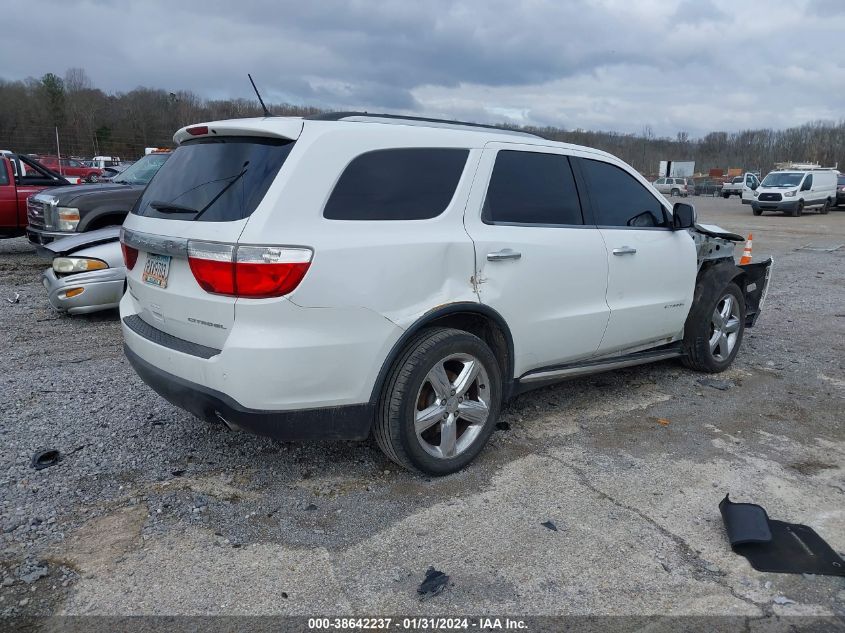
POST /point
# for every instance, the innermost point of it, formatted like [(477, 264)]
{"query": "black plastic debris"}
[(776, 546), (551, 526), (713, 383), (45, 458), (178, 472), (503, 426), (433, 584)]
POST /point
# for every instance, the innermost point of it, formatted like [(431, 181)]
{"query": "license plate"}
[(156, 270)]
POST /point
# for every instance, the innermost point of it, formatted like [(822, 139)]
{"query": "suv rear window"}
[(214, 179), (397, 184)]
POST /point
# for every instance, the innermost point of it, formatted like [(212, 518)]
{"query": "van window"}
[(397, 184), (214, 179), (531, 188), (618, 199), (808, 183)]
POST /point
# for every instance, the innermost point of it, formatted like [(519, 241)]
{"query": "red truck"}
[(20, 177), (71, 167)]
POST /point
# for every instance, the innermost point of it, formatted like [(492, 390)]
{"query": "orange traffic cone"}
[(746, 252)]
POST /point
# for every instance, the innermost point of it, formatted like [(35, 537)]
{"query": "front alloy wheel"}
[(724, 328), (714, 328), (440, 402)]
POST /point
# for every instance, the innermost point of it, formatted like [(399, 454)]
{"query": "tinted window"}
[(532, 188), (397, 184), (618, 199), (808, 182), (4, 175), (214, 179)]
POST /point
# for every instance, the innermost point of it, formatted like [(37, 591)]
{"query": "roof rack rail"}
[(340, 116)]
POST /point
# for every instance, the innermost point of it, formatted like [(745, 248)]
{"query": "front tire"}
[(713, 337), (440, 402), (757, 211), (726, 195), (92, 178)]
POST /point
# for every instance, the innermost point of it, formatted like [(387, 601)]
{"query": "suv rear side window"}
[(397, 184), (214, 179), (618, 199), (531, 188)]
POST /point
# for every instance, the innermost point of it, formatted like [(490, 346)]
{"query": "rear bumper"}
[(101, 290), (348, 422)]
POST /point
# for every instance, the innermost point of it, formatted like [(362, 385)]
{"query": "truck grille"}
[(770, 197), (36, 212)]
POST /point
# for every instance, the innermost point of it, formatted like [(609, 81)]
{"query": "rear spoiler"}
[(274, 127)]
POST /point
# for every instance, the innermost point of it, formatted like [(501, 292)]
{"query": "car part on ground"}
[(775, 546), (87, 272), (280, 278)]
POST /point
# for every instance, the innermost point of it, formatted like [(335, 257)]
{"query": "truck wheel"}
[(726, 195), (798, 209), (92, 178), (757, 211), (440, 402), (712, 339), (826, 208), (675, 192)]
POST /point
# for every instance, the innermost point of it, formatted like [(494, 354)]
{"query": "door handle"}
[(624, 250), (502, 255)]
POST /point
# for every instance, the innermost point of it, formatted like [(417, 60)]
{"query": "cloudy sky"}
[(675, 65)]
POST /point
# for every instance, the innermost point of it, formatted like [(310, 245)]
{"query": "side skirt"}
[(549, 375)]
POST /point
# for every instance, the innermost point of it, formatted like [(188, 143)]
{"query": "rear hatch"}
[(198, 204)]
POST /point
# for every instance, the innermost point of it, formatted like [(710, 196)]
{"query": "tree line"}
[(92, 122)]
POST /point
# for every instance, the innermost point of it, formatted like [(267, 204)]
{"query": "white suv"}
[(342, 275)]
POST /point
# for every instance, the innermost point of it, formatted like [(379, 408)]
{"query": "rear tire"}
[(92, 178), (440, 402), (713, 336), (726, 195), (676, 192)]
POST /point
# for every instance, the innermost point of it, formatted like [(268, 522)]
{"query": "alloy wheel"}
[(452, 406), (724, 327)]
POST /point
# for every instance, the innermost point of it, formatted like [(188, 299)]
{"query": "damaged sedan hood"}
[(711, 230)]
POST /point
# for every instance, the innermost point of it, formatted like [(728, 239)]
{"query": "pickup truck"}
[(72, 167), (79, 208), (20, 178), (733, 187)]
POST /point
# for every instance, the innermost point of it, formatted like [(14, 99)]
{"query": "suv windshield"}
[(214, 179), (782, 179), (142, 171)]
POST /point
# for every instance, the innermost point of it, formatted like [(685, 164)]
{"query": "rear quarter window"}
[(214, 179), (397, 184)]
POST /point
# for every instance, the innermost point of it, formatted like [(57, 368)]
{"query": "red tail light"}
[(130, 255), (255, 272)]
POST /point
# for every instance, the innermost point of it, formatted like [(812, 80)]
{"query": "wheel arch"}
[(100, 218), (475, 318)]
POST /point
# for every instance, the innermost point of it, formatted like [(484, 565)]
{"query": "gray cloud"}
[(605, 64)]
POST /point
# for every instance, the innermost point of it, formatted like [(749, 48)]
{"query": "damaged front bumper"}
[(755, 288), (83, 293)]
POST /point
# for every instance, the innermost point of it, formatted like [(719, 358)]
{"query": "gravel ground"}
[(151, 511)]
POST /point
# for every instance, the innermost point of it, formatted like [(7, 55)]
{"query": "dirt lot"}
[(154, 512)]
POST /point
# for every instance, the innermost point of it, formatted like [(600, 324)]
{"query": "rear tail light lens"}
[(255, 272), (213, 266), (130, 255)]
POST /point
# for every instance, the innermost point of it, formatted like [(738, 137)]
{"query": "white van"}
[(795, 190)]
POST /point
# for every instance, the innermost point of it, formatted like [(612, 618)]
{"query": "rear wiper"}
[(172, 207)]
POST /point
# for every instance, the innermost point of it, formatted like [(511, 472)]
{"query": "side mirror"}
[(754, 185), (683, 216)]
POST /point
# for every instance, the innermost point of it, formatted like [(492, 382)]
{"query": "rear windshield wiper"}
[(172, 207)]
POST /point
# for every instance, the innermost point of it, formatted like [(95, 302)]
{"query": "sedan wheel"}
[(714, 328)]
